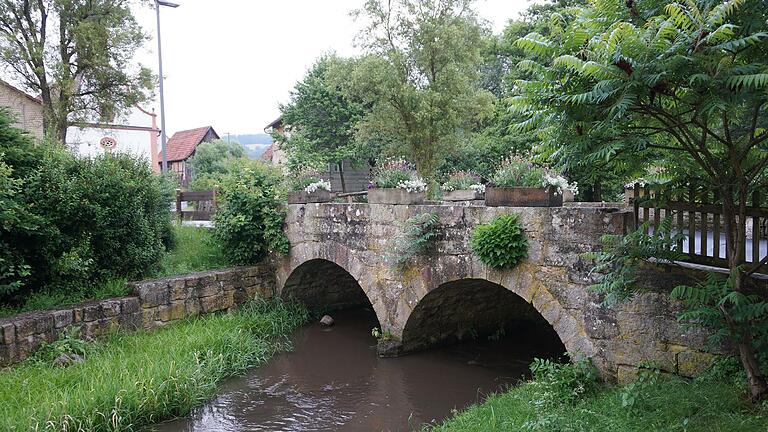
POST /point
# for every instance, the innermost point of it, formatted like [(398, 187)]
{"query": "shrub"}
[(71, 223), (500, 243), (415, 235), (558, 383), (250, 222)]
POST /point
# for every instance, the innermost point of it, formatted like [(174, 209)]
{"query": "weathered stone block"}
[(212, 304), (62, 318), (110, 308), (130, 305), (176, 311), (209, 289), (92, 313), (155, 295), (7, 334), (693, 363), (25, 327), (178, 289)]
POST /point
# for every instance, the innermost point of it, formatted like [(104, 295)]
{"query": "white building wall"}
[(87, 141)]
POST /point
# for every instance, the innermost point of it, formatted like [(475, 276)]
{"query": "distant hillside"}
[(245, 139), (254, 151)]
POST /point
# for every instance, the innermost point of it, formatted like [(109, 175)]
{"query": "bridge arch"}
[(327, 277), (519, 294)]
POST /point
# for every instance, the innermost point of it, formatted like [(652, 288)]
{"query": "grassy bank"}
[(194, 250), (135, 379), (714, 402)]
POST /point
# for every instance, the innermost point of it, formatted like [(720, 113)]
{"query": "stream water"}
[(334, 381)]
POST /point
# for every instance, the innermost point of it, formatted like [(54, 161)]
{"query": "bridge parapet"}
[(420, 304)]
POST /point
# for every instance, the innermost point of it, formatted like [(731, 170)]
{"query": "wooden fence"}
[(204, 205), (697, 213)]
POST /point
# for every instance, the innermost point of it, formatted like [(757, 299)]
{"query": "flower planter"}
[(462, 195), (568, 196), (522, 197), (394, 196), (303, 197)]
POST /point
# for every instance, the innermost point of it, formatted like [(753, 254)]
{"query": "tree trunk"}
[(735, 221)]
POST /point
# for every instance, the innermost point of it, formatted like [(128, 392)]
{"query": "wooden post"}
[(178, 205), (636, 204), (755, 228), (656, 211), (716, 228), (704, 217), (691, 220), (680, 197)]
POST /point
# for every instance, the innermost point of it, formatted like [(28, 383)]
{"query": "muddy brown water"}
[(334, 381)]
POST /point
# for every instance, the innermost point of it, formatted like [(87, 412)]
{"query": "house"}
[(273, 153), (26, 109), (182, 146), (353, 177), (137, 135)]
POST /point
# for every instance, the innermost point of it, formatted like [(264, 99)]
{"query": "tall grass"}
[(132, 380), (664, 404), (194, 250)]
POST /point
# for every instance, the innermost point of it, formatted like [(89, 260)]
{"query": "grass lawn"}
[(667, 404), (194, 250), (130, 380)]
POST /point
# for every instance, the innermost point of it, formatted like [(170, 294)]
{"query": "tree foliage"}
[(77, 55), (249, 224), (420, 77), (211, 161), (69, 223), (664, 81), (321, 120)]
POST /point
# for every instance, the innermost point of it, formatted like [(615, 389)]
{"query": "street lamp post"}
[(163, 137)]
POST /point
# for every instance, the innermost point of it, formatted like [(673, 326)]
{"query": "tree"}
[(77, 55), (322, 120), (683, 81), (420, 77), (215, 157)]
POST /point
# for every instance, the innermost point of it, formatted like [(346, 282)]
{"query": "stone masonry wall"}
[(553, 279), (155, 303)]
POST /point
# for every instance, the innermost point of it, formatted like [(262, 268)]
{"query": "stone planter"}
[(302, 197), (462, 195), (568, 196), (522, 197), (394, 196)]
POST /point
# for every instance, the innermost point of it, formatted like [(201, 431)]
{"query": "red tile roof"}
[(183, 143)]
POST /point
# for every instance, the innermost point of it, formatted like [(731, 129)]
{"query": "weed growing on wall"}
[(500, 243), (415, 235)]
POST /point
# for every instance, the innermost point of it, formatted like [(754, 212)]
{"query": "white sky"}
[(230, 63)]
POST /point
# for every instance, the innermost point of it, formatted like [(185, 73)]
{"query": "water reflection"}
[(333, 381)]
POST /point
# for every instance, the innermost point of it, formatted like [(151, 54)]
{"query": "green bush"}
[(69, 223), (500, 243), (249, 224)]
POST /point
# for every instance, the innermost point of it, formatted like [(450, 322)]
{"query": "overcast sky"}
[(229, 63)]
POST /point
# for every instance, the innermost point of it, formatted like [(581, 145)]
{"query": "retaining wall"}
[(155, 303)]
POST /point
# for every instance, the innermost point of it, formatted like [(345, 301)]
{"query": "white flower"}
[(413, 185), (560, 183), (478, 188), (322, 184)]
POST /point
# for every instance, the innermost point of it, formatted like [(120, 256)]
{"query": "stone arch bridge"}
[(341, 257)]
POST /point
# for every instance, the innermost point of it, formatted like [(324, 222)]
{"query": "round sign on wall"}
[(108, 143)]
